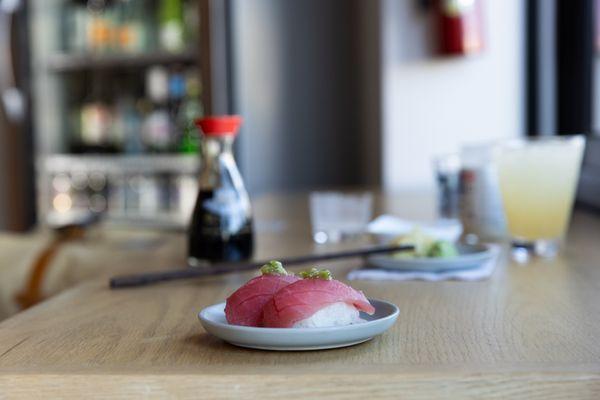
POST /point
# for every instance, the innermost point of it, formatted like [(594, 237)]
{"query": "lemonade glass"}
[(538, 178)]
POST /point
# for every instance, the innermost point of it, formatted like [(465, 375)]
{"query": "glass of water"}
[(336, 216)]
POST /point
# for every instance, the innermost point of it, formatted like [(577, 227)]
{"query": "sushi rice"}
[(336, 314)]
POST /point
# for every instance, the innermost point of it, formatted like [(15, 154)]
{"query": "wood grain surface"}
[(531, 331)]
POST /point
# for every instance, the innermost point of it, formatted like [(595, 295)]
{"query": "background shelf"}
[(121, 164), (81, 62)]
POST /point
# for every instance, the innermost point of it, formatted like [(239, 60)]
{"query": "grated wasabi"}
[(273, 268), (442, 249), (425, 246), (315, 273)]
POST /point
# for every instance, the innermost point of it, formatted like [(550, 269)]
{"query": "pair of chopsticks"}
[(149, 278)]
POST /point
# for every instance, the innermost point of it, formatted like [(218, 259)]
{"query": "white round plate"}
[(295, 339), (470, 256)]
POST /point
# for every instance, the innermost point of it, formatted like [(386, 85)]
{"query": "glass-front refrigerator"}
[(116, 86)]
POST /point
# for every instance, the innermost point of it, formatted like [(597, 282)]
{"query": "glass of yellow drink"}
[(538, 178)]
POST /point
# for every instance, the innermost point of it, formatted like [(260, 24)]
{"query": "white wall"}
[(433, 104)]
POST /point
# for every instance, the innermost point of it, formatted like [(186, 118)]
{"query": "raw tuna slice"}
[(245, 305), (295, 304)]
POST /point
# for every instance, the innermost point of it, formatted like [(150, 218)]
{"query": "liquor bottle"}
[(171, 29), (127, 125), (100, 26), (157, 126), (191, 20), (175, 102), (221, 224), (95, 122), (190, 109), (131, 33)]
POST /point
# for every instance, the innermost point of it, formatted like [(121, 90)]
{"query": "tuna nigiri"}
[(315, 301), (245, 305)]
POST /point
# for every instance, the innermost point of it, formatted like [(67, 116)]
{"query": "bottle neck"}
[(218, 164), (214, 146)]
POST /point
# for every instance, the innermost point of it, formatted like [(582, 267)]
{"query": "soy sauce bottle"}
[(221, 225)]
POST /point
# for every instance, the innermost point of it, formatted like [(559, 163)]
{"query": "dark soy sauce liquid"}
[(212, 235)]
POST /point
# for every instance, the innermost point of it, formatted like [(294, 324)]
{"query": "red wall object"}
[(460, 26)]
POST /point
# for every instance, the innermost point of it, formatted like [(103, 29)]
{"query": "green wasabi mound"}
[(442, 249), (425, 246), (315, 273), (273, 268)]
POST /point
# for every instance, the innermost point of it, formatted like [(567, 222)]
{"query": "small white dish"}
[(297, 339), (470, 256)]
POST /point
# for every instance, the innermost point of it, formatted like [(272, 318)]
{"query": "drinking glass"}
[(335, 216), (447, 173), (537, 180)]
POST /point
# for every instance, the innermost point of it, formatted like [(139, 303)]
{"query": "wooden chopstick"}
[(149, 278)]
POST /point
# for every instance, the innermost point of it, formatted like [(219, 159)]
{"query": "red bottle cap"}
[(219, 125)]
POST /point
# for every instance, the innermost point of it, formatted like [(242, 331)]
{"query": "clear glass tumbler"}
[(538, 178), (336, 216)]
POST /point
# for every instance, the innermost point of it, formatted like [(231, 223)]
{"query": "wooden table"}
[(531, 331)]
